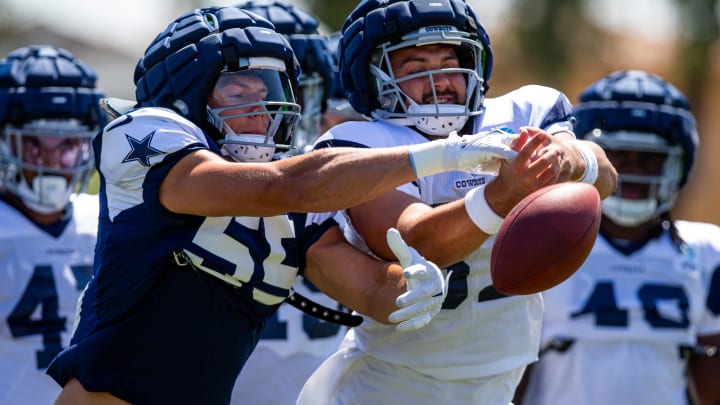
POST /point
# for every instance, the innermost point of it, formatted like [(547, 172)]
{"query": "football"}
[(545, 238)]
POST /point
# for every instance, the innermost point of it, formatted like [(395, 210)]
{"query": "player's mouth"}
[(447, 99)]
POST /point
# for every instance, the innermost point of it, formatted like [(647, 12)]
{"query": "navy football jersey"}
[(177, 302)]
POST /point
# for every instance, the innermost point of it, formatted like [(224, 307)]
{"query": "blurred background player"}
[(49, 114), (315, 80), (636, 323), (420, 68), (294, 343), (338, 108)]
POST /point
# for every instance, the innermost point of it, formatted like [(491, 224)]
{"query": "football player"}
[(420, 68), (49, 114), (639, 322), (195, 247)]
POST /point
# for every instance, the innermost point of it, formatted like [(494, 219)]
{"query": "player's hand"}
[(482, 152), (426, 286)]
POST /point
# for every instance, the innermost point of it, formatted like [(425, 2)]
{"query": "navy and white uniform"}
[(152, 328), (475, 349), (42, 271), (627, 314)]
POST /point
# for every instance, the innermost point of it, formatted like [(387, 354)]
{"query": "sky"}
[(131, 24), (128, 26)]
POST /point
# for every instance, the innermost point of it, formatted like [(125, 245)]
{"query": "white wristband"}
[(591, 164), (480, 211), (427, 158)]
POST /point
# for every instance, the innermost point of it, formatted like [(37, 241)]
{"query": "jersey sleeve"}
[(705, 240), (309, 228), (134, 145), (532, 105)]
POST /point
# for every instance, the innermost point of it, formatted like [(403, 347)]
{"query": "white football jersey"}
[(628, 316), (479, 332), (41, 277)]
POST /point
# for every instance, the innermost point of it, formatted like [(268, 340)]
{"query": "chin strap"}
[(311, 307)]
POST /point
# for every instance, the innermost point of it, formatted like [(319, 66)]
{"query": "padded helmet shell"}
[(301, 29), (42, 82), (183, 63)]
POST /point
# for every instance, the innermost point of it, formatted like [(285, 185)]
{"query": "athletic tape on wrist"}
[(480, 211), (427, 158), (591, 164)]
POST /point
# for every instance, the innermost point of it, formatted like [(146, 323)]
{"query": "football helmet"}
[(315, 80), (637, 111), (49, 114), (338, 103), (337, 91), (183, 64), (375, 28)]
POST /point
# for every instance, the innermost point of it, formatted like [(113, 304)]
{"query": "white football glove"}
[(478, 153), (426, 286), (482, 152)]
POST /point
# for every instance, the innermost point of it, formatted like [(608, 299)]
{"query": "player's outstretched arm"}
[(447, 233), (408, 294), (203, 183)]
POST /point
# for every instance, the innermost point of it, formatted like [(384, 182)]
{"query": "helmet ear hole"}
[(385, 102)]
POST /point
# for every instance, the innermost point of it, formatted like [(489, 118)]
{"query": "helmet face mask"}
[(649, 174), (254, 110), (433, 117), (645, 125), (45, 161)]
